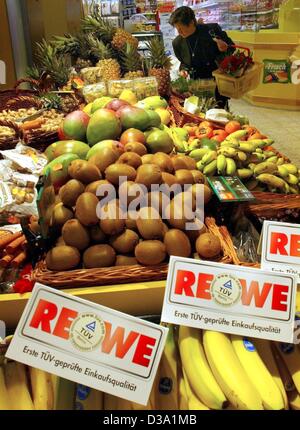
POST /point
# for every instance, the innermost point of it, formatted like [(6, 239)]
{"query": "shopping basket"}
[(236, 87)]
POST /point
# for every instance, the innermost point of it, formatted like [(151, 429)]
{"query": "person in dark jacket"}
[(198, 46)]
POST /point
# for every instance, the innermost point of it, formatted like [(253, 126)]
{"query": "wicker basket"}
[(268, 205), (10, 142), (117, 275), (236, 88), (182, 117)]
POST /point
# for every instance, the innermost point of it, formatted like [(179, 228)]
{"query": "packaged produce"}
[(277, 71), (25, 159), (91, 75), (94, 91), (145, 87), (115, 88)]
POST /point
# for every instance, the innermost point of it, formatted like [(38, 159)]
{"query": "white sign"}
[(2, 73), (230, 299), (296, 72), (281, 248), (89, 344)]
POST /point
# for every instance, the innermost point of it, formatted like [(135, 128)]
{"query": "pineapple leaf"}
[(158, 58)]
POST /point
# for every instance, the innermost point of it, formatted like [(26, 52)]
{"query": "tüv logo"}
[(2, 331), (2, 73)]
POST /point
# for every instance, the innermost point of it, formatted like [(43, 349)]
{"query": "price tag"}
[(230, 189), (89, 344), (281, 248), (230, 299)]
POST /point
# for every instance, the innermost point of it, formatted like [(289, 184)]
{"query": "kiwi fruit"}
[(112, 220), (208, 246), (150, 252), (129, 191), (98, 256), (147, 158), (62, 258), (131, 159), (104, 158), (85, 172), (177, 243), (165, 229), (96, 234), (184, 177), (74, 166), (70, 192), (124, 260), (198, 176), (156, 200), (93, 187), (75, 234), (115, 171), (201, 191), (61, 214), (149, 174), (136, 147), (207, 194), (86, 209), (149, 224), (179, 212), (130, 222), (183, 162), (60, 242), (168, 179), (163, 161), (125, 242)]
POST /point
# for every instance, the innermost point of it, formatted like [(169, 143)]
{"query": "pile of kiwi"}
[(85, 241)]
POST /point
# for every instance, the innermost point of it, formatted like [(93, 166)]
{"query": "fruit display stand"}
[(271, 45)]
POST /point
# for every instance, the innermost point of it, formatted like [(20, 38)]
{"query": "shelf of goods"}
[(272, 45)]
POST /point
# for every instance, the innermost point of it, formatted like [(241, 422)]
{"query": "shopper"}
[(199, 46)]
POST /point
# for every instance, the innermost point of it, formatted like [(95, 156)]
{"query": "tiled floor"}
[(281, 125)]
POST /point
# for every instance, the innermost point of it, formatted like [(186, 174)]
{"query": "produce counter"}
[(134, 299), (271, 45)]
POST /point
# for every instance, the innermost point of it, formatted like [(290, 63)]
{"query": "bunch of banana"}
[(180, 138)]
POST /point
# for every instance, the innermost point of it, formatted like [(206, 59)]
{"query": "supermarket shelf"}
[(134, 299)]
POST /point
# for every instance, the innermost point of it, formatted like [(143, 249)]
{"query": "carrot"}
[(15, 244), (34, 124), (9, 238), (19, 259)]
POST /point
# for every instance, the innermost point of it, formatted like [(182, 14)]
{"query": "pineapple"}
[(109, 67), (160, 65), (79, 47), (131, 62), (108, 33)]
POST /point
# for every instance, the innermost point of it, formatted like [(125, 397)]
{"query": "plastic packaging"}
[(145, 87), (91, 75), (92, 92), (115, 88)]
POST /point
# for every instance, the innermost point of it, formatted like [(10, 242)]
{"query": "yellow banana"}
[(198, 154), (210, 169), (268, 142), (42, 389), (228, 151), (237, 135), (280, 161), (229, 372), (298, 300), (273, 159), (6, 404), (167, 397), (241, 156), (282, 171), (291, 356), (16, 383), (233, 143), (197, 370), (259, 143), (258, 373), (283, 370), (194, 144), (200, 166), (272, 180), (231, 167), (88, 399), (194, 404), (294, 400), (244, 173), (221, 164), (209, 157), (292, 179), (291, 168), (247, 147), (265, 167), (182, 400), (265, 351)]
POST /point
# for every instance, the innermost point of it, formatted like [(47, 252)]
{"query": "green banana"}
[(228, 151), (252, 166), (269, 154), (194, 144), (291, 168), (259, 151), (237, 135), (198, 154), (234, 143), (180, 145), (292, 179), (265, 167), (273, 181), (211, 168), (231, 167), (200, 166), (268, 142), (244, 173), (282, 171), (280, 161), (248, 147), (221, 164), (258, 142), (209, 157), (294, 189)]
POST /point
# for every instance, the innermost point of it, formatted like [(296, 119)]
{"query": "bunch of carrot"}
[(12, 250)]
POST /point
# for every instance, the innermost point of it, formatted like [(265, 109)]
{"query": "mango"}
[(58, 169)]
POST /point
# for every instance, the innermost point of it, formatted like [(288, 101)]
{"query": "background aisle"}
[(282, 126)]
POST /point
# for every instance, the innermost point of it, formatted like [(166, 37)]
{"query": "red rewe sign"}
[(232, 299), (281, 247), (89, 344)]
